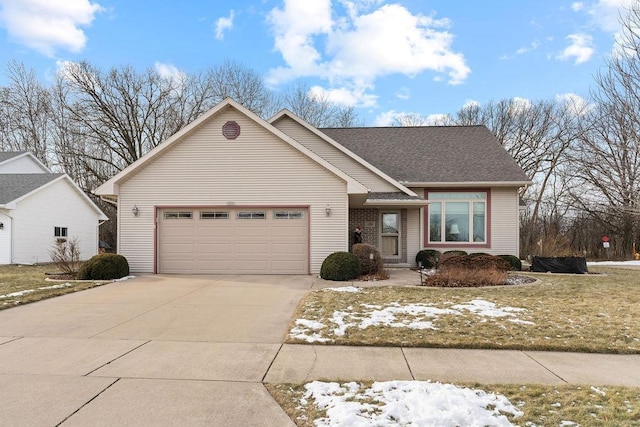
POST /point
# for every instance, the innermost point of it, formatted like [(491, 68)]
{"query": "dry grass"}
[(583, 313), (31, 278), (542, 405)]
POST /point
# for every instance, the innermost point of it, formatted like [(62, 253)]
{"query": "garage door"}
[(233, 241)]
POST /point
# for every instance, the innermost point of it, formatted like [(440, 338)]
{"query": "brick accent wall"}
[(369, 222)]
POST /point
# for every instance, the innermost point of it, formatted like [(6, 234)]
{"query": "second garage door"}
[(233, 241)]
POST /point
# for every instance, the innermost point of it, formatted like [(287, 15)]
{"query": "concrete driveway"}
[(155, 350)]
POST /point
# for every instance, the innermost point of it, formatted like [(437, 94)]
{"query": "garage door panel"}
[(202, 244)]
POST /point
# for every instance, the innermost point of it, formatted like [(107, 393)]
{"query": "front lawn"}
[(21, 284), (395, 403), (583, 313)]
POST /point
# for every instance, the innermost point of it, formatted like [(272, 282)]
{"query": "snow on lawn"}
[(418, 403), (28, 291), (605, 263), (396, 315)]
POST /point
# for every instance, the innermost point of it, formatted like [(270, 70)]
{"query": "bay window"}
[(457, 217)]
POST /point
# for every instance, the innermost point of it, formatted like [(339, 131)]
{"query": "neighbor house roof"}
[(15, 185), (433, 155), (6, 155)]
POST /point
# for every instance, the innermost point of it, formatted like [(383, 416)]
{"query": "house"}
[(39, 208), (233, 193)]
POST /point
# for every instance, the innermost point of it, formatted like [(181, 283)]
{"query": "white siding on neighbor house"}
[(22, 165), (505, 222), (334, 156), (5, 237), (256, 169), (414, 230), (57, 205)]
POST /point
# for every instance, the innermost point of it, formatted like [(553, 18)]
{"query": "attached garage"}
[(216, 240)]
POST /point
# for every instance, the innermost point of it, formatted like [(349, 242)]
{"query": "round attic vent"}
[(231, 130)]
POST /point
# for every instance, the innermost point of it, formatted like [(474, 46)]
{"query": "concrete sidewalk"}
[(197, 350)]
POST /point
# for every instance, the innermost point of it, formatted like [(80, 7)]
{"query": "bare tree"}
[(608, 162), (317, 110)]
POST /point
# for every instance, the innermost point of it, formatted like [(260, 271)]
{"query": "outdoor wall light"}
[(1, 226), (135, 210), (327, 210)]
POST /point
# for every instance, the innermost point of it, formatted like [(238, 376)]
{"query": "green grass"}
[(583, 313), (542, 405), (22, 284)]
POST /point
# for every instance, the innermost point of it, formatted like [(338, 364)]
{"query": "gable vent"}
[(231, 130)]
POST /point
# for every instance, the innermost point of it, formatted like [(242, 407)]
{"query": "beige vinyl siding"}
[(23, 164), (5, 237), (505, 226), (334, 156), (256, 169), (414, 232)]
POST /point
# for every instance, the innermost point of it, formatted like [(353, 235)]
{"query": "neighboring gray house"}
[(233, 193), (38, 208)]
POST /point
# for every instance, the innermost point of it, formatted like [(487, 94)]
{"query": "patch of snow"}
[(488, 309), (565, 423), (308, 330), (122, 279), (598, 391), (58, 286), (387, 316), (344, 289), (604, 263), (393, 403), (17, 293)]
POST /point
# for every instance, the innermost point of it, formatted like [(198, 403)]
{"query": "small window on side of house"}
[(59, 231)]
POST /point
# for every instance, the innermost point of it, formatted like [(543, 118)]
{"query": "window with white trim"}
[(214, 215), (390, 234), (457, 217), (252, 215), (178, 215), (287, 215)]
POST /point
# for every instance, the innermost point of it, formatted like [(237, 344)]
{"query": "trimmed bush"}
[(104, 266), (369, 258), (478, 262), (450, 254), (478, 254), (428, 257), (514, 261), (340, 266)]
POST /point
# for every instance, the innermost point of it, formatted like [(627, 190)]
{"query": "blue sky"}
[(383, 57)]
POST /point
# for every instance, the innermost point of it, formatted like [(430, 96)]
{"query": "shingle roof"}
[(6, 155), (448, 154), (16, 185), (392, 196)]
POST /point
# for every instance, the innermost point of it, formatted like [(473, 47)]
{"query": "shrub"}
[(369, 258), (449, 254), (478, 254), (340, 266), (514, 261), (65, 255), (428, 257), (104, 266), (477, 262)]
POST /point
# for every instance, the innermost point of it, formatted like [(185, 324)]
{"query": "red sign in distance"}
[(605, 238)]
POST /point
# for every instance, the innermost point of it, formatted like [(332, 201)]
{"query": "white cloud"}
[(171, 74), (345, 96), (397, 118), (577, 6), (521, 51), (353, 51), (606, 13), (46, 26), (471, 103), (403, 93), (576, 104), (580, 48), (223, 24)]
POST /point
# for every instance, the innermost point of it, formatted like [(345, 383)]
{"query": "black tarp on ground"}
[(569, 264)]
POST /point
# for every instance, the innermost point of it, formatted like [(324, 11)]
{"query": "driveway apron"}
[(154, 350)]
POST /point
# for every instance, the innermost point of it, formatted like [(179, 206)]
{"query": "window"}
[(178, 215), (59, 231), (287, 214), (252, 215), (390, 234), (457, 217), (214, 215)]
